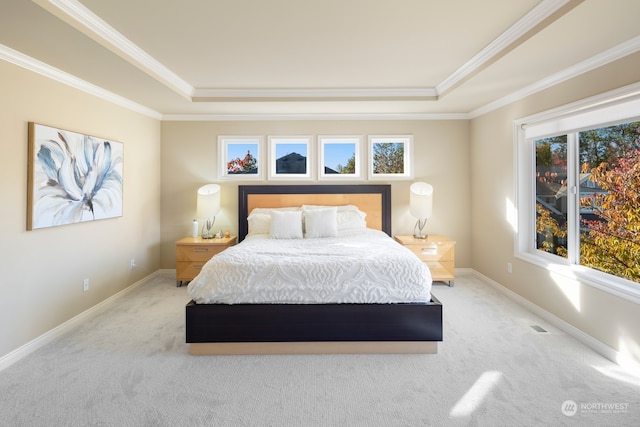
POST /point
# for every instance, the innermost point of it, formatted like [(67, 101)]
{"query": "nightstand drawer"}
[(434, 251), (437, 252), (188, 270), (442, 271), (192, 253), (197, 253)]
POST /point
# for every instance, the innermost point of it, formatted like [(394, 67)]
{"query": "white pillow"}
[(269, 210), (259, 223), (349, 216), (351, 220), (341, 208), (286, 224), (321, 222)]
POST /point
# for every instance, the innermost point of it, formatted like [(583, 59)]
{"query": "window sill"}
[(622, 288)]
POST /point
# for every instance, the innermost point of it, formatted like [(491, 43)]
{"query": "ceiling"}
[(261, 59)]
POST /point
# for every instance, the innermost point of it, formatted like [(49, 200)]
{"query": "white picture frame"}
[(340, 157), (241, 157), (290, 157), (390, 157)]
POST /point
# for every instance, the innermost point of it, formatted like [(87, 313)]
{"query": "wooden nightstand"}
[(438, 252), (193, 252)]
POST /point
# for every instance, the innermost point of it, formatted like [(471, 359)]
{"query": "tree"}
[(350, 167), (388, 157), (612, 242), (607, 144), (610, 239), (247, 165)]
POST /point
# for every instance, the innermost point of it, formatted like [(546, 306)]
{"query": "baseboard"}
[(596, 345), (33, 345)]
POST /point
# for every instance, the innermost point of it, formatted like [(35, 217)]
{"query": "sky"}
[(338, 154), (240, 150)]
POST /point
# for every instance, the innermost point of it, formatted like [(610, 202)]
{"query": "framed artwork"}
[(339, 157), (72, 177), (240, 157), (390, 157), (290, 157)]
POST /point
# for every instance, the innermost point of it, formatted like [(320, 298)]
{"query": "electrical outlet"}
[(132, 264), (85, 285), (509, 267)]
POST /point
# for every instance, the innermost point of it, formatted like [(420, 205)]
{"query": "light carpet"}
[(129, 366)]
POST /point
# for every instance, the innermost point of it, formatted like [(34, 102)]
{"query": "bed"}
[(270, 327)]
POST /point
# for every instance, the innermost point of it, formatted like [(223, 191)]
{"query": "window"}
[(578, 192)]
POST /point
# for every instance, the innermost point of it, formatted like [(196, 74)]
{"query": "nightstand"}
[(193, 252), (438, 252)]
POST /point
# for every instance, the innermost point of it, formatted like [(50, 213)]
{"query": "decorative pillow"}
[(269, 210), (286, 224), (321, 222), (351, 220), (259, 223), (349, 216), (341, 208)]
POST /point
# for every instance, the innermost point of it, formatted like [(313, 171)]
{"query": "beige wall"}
[(41, 271), (441, 157), (609, 319)]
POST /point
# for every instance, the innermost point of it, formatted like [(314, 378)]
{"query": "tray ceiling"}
[(335, 58)]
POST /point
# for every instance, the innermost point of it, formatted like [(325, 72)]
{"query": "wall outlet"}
[(509, 267), (132, 264), (85, 285)]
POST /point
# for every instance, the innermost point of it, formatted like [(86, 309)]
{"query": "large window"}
[(578, 192)]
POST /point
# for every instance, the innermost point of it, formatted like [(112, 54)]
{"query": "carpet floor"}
[(129, 366)]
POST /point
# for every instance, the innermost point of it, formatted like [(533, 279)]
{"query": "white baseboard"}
[(598, 346), (33, 345)]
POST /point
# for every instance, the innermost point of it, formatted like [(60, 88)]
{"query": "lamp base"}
[(417, 229), (206, 229)]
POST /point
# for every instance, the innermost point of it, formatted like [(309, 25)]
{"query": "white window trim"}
[(610, 107)]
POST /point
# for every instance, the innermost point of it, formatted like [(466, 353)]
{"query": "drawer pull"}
[(429, 251), (201, 250)]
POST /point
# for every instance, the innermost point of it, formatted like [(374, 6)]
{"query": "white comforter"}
[(364, 266)]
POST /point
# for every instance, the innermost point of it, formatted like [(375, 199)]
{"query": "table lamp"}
[(208, 206), (420, 206)]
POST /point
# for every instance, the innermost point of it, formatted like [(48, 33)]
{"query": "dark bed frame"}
[(313, 328)]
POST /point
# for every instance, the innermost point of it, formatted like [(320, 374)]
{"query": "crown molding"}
[(31, 64), (312, 117), (81, 18), (524, 28), (314, 94), (85, 21), (617, 52), (624, 49)]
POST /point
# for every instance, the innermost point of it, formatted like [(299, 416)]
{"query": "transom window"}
[(578, 192)]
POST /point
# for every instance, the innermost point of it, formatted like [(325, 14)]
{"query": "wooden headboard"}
[(374, 200)]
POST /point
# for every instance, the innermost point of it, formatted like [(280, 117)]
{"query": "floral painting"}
[(72, 177)]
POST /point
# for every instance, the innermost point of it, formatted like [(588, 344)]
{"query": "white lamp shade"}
[(421, 200), (208, 201)]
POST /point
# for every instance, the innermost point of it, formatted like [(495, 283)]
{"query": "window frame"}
[(621, 105)]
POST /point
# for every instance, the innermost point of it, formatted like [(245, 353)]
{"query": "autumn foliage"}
[(612, 243), (246, 165)]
